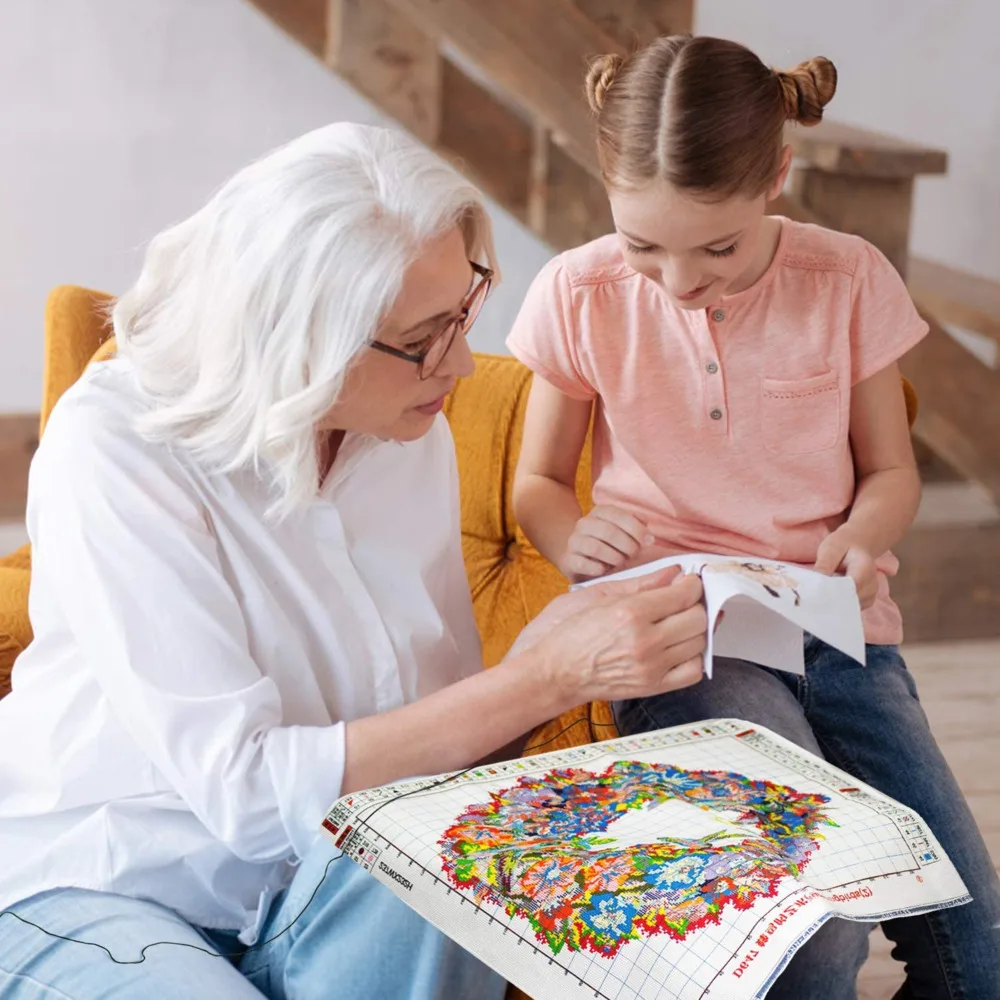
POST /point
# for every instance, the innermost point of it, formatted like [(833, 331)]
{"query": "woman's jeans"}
[(355, 941)]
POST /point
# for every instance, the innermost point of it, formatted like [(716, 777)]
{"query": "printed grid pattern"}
[(868, 843)]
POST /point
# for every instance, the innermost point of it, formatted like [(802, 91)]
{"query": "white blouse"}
[(176, 729)]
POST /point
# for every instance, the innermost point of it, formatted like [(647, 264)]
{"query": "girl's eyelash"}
[(727, 251), (731, 249)]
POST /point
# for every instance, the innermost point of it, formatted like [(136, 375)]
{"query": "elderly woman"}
[(248, 599)]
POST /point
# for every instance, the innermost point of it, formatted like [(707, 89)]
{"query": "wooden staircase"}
[(497, 89)]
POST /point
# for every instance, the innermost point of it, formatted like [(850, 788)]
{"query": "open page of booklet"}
[(768, 608)]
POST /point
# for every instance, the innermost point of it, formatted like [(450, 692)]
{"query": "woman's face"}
[(384, 395), (696, 250)]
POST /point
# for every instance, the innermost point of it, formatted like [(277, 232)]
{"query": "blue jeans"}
[(867, 721), (355, 941)]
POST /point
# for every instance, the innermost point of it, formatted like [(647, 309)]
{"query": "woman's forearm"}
[(547, 512), (884, 508), (454, 727)]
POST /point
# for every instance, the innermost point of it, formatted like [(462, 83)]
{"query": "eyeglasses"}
[(429, 358)]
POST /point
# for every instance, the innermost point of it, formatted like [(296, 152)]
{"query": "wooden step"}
[(959, 415), (965, 300)]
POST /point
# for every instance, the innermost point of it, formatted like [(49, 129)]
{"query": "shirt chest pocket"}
[(801, 416)]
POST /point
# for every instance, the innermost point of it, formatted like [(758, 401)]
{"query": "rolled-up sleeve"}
[(129, 558)]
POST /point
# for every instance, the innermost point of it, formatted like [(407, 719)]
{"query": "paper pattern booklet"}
[(768, 605), (688, 863)]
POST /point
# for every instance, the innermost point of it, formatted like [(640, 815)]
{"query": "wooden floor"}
[(960, 688)]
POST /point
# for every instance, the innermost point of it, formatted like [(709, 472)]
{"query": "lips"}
[(431, 408), (697, 293)]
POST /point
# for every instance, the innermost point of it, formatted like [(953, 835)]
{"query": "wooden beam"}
[(635, 23), (948, 586), (486, 140), (959, 406), (537, 53), (390, 60), (304, 20), (957, 297), (843, 149), (18, 441)]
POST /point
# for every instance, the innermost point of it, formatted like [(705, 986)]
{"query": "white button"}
[(716, 414), (719, 315), (711, 368)]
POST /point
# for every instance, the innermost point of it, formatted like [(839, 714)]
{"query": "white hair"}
[(247, 316)]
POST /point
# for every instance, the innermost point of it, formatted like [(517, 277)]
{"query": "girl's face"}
[(696, 250)]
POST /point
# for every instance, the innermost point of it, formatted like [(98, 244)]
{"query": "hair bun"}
[(600, 77), (807, 89)]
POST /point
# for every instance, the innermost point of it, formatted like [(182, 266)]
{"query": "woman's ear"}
[(778, 184)]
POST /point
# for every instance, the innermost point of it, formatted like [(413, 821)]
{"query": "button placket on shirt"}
[(715, 389), (388, 687)]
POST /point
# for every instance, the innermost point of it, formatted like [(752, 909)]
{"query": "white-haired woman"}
[(248, 598)]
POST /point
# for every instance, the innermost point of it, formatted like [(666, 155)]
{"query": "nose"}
[(680, 277), (458, 362)]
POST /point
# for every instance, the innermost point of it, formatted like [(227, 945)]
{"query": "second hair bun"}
[(807, 89)]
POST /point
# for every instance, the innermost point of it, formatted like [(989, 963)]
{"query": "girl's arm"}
[(545, 502), (888, 484)]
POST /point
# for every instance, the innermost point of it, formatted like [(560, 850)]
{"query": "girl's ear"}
[(785, 164)]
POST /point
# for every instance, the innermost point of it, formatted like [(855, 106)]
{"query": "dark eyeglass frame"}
[(462, 321)]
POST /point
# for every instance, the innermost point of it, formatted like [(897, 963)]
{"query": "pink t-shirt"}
[(726, 430)]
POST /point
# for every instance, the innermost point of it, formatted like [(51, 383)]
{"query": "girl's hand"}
[(841, 552), (626, 639), (602, 542)]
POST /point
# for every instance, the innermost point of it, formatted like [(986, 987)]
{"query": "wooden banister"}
[(844, 149)]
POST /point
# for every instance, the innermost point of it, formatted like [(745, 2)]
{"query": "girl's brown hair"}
[(704, 114)]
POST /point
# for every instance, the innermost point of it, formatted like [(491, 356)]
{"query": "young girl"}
[(741, 374)]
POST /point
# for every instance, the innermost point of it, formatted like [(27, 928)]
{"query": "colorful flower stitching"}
[(540, 849)]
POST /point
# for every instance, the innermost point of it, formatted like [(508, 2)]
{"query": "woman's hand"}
[(626, 639), (842, 552), (602, 542)]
